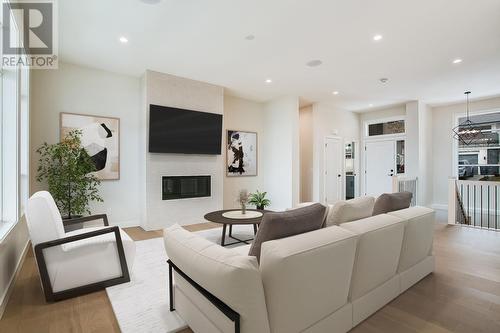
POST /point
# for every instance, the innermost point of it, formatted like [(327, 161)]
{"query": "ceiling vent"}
[(314, 63)]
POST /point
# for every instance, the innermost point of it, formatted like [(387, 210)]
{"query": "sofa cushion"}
[(418, 236), (350, 210), (241, 250), (286, 224), (306, 277), (231, 277), (378, 252), (390, 202)]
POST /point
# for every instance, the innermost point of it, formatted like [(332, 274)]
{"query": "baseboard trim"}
[(6, 295), (439, 207)]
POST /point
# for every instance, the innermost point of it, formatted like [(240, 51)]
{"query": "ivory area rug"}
[(142, 304)]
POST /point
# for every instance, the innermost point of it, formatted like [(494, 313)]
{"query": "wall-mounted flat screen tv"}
[(180, 131)]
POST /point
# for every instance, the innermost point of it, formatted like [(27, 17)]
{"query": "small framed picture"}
[(241, 154)]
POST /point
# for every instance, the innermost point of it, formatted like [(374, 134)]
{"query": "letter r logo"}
[(33, 32)]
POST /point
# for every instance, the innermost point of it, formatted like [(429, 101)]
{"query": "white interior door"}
[(379, 166), (333, 170)]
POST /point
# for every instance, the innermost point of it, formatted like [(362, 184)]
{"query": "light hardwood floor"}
[(462, 295)]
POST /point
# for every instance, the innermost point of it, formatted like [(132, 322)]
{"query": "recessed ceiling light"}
[(457, 61), (370, 105), (377, 37), (269, 81), (383, 80), (314, 63), (250, 37), (335, 92), (123, 39)]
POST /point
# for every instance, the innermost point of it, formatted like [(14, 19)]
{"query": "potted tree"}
[(67, 168), (259, 200)]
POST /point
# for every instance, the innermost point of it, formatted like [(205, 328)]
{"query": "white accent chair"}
[(77, 262)]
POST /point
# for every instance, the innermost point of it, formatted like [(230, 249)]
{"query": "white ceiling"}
[(205, 40)]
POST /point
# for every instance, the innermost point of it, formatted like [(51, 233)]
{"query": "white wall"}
[(173, 91), (135, 199), (443, 118), (78, 89), (245, 115), (280, 165), (412, 143), (389, 112), (306, 154), (425, 156), (327, 121), (12, 249)]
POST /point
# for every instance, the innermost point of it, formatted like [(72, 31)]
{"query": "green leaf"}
[(259, 199), (66, 167)]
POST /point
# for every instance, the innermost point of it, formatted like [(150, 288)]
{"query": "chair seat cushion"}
[(286, 224), (87, 261)]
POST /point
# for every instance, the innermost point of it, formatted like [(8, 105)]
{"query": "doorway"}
[(333, 170), (351, 152), (380, 164)]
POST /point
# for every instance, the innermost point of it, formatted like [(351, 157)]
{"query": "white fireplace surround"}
[(172, 91)]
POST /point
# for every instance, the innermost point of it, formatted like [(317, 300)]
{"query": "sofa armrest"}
[(229, 277), (223, 307)]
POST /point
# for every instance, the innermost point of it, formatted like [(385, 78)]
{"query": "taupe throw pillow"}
[(286, 224), (389, 202)]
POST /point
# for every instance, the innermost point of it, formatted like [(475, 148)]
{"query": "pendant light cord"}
[(467, 96)]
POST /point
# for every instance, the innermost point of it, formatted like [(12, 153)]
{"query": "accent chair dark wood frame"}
[(52, 296)]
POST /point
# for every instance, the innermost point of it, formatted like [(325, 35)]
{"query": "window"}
[(14, 144), (400, 156), (481, 159), (385, 128)]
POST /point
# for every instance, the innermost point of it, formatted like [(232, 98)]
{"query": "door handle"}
[(339, 175)]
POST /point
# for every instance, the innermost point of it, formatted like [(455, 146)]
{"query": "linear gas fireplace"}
[(184, 187)]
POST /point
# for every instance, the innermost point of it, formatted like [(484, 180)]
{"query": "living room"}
[(237, 120)]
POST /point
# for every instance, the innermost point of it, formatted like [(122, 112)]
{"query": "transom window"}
[(386, 128)]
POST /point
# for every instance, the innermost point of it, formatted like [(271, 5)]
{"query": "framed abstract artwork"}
[(241, 154), (100, 138)]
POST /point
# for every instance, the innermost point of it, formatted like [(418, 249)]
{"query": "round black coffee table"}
[(217, 217)]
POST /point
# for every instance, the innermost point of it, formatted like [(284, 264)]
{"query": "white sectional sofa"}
[(328, 280)]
